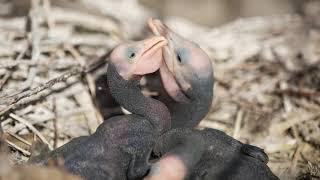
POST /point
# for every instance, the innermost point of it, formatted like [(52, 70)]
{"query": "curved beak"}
[(169, 70), (160, 29), (150, 58)]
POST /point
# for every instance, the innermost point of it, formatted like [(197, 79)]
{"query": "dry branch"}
[(34, 39), (12, 101), (19, 138), (25, 152), (9, 72), (91, 22), (30, 126), (18, 24)]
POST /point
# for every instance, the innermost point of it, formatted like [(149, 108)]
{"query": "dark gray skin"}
[(107, 105), (187, 114), (222, 157), (103, 99), (121, 146)]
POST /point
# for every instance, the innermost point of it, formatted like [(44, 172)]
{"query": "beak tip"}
[(163, 38)]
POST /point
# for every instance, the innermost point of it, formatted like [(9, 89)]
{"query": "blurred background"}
[(265, 54), (204, 12), (208, 13)]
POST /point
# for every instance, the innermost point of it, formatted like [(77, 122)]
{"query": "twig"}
[(25, 152), (82, 63), (9, 63), (73, 112), (88, 21), (32, 128), (35, 38), (66, 63), (75, 54), (18, 24), (300, 92), (237, 126), (11, 101), (89, 78), (19, 138), (83, 39), (9, 73), (295, 157), (5, 79), (55, 124), (47, 9), (1, 130), (294, 117), (213, 125)]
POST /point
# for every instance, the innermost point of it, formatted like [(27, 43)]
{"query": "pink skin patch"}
[(143, 57), (202, 63), (169, 168), (171, 86), (149, 63)]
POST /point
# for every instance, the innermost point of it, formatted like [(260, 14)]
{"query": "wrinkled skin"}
[(213, 155), (109, 154), (121, 146)]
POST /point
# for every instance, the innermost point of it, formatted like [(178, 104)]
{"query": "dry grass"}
[(266, 92)]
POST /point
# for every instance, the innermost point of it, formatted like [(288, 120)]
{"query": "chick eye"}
[(132, 55), (179, 58), (131, 52)]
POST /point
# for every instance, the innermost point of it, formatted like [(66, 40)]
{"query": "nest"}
[(266, 72)]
